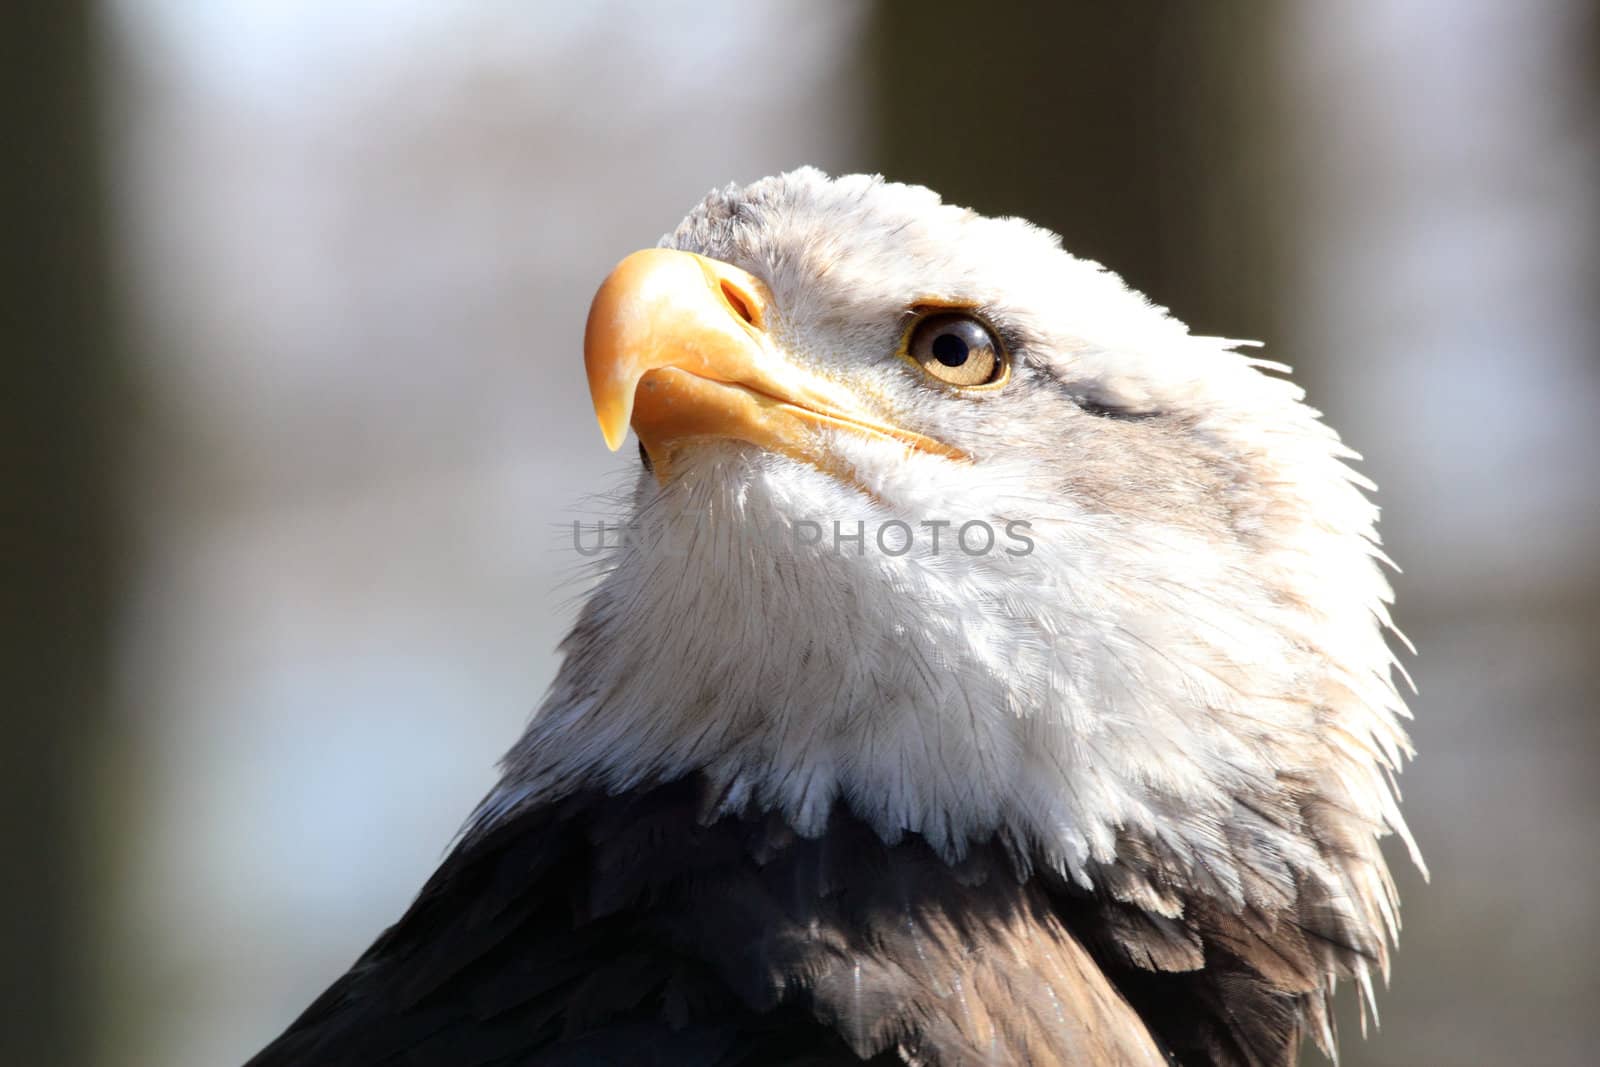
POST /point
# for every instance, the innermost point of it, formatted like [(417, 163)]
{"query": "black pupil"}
[(950, 350)]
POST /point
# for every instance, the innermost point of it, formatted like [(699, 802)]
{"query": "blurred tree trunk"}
[(56, 529), (1139, 132)]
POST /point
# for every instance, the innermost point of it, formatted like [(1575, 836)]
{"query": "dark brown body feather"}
[(622, 930)]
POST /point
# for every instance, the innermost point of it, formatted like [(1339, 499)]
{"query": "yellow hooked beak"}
[(676, 345)]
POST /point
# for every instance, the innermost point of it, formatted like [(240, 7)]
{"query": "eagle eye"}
[(957, 349)]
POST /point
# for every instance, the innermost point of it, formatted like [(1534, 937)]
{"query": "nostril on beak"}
[(741, 304)]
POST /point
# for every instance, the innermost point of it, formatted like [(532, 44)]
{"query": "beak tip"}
[(612, 396), (613, 424)]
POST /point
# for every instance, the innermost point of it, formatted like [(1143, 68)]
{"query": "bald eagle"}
[(994, 673)]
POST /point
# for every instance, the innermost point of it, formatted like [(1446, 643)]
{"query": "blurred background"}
[(298, 429)]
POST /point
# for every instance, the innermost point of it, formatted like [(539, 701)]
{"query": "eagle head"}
[(945, 527)]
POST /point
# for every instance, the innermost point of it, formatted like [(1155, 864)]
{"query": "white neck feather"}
[(1060, 698)]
